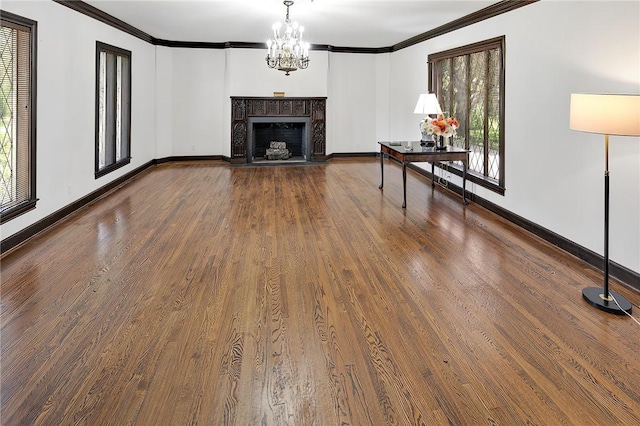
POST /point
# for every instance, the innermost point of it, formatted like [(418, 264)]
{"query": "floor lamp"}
[(608, 115)]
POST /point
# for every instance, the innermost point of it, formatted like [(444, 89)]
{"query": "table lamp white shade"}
[(427, 104), (605, 114)]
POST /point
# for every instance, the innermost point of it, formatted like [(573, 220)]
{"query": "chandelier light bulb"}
[(287, 52)]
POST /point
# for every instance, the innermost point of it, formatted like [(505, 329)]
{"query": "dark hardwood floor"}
[(303, 295)]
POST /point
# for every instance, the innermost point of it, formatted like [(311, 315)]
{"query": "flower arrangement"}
[(440, 126)]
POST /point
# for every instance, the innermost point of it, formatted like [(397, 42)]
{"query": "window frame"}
[(482, 46), (108, 168), (23, 24)]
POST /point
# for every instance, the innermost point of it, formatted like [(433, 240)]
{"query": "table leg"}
[(381, 169), (433, 175), (464, 182), (404, 184)]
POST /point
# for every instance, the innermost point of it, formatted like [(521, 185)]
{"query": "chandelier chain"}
[(288, 3)]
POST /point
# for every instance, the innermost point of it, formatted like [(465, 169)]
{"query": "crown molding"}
[(95, 13), (370, 50), (496, 9), (486, 13)]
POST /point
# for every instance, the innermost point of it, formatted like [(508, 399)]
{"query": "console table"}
[(407, 152)]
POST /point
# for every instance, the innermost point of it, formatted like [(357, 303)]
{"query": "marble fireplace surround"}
[(258, 109)]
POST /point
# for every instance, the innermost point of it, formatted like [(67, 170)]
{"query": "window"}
[(18, 115), (469, 83), (113, 108)]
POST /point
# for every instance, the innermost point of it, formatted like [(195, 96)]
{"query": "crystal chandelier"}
[(287, 52)]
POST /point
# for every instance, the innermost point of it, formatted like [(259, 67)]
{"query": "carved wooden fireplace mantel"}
[(243, 108)]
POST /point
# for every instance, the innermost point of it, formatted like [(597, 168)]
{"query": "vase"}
[(441, 143), (427, 140)]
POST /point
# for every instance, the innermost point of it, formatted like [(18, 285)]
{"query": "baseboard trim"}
[(352, 155), (180, 158), (623, 274)]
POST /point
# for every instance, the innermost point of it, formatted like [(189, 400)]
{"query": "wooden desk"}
[(422, 154)]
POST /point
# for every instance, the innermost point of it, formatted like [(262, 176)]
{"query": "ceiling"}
[(345, 23)]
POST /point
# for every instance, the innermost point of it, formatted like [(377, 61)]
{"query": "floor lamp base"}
[(596, 297)]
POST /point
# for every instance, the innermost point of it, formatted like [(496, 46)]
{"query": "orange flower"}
[(442, 126)]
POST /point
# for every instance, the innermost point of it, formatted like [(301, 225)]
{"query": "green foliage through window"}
[(469, 83)]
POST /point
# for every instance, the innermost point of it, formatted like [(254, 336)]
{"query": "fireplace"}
[(293, 131), (299, 122)]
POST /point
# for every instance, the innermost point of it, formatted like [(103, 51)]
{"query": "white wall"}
[(65, 105), (181, 106), (554, 176), (383, 97), (164, 102), (198, 102), (352, 103), (204, 81), (250, 76)]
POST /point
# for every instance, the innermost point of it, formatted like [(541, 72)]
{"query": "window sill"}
[(478, 179), (10, 213), (108, 169)]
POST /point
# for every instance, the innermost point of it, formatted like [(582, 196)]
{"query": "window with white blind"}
[(469, 84), (17, 115), (113, 108)]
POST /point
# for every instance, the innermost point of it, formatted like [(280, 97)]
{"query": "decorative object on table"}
[(408, 147), (427, 104), (287, 52), (608, 115), (442, 128)]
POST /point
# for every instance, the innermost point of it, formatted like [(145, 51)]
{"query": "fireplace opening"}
[(291, 134), (277, 139)]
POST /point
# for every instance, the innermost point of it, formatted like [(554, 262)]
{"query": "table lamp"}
[(427, 104), (608, 115)]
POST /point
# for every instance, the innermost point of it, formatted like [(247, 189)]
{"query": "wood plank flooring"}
[(204, 294)]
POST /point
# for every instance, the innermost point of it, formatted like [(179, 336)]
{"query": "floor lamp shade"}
[(607, 115)]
